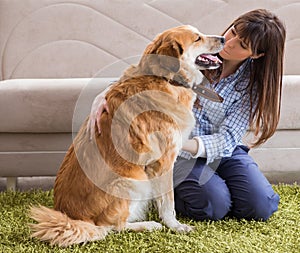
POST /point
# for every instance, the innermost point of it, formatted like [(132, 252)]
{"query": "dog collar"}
[(201, 91), (207, 93)]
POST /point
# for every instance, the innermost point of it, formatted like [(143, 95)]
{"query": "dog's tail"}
[(57, 228)]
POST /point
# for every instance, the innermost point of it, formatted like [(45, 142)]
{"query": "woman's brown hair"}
[(263, 31)]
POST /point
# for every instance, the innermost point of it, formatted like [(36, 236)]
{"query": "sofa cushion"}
[(45, 105)]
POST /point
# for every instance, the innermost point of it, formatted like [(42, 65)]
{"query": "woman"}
[(214, 176)]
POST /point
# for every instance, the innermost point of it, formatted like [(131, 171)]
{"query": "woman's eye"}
[(243, 45), (198, 39)]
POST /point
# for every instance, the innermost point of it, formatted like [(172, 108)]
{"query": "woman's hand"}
[(98, 107)]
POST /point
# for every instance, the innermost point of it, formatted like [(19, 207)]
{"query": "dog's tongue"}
[(212, 58)]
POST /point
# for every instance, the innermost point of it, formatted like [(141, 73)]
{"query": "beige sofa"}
[(56, 54)]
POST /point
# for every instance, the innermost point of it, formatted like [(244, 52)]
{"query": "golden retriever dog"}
[(106, 184)]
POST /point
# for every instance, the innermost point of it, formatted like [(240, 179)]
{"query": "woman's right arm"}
[(98, 107)]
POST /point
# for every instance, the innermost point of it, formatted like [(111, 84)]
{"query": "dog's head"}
[(179, 53)]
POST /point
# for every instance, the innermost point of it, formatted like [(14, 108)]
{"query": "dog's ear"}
[(153, 46), (169, 53), (161, 58)]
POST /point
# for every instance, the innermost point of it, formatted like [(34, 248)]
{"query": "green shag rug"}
[(281, 233)]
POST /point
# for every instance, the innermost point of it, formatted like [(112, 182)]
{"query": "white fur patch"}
[(140, 196)]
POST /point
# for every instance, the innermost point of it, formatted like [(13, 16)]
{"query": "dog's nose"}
[(222, 40)]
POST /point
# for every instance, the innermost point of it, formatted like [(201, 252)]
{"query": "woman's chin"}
[(224, 55)]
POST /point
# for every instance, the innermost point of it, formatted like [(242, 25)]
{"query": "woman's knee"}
[(260, 205), (252, 194), (210, 201)]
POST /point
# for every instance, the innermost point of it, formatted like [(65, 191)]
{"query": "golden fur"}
[(105, 184)]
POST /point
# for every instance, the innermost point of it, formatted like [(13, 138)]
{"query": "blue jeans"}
[(233, 186)]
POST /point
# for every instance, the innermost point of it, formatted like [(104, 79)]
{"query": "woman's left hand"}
[(98, 107)]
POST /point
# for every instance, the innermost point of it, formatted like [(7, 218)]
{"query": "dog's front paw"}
[(152, 225), (177, 226), (143, 225), (183, 228)]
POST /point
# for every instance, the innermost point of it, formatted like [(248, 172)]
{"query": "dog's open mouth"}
[(208, 61)]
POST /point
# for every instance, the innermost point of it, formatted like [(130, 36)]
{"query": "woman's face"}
[(235, 49)]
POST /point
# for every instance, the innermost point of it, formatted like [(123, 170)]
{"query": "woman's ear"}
[(257, 56)]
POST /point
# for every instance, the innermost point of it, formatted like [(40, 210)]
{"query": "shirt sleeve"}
[(230, 132)]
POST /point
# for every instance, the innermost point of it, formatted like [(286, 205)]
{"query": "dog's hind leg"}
[(143, 225)]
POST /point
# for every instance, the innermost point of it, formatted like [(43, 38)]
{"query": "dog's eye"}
[(198, 39)]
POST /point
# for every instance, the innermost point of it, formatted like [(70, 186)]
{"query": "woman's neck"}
[(229, 67)]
